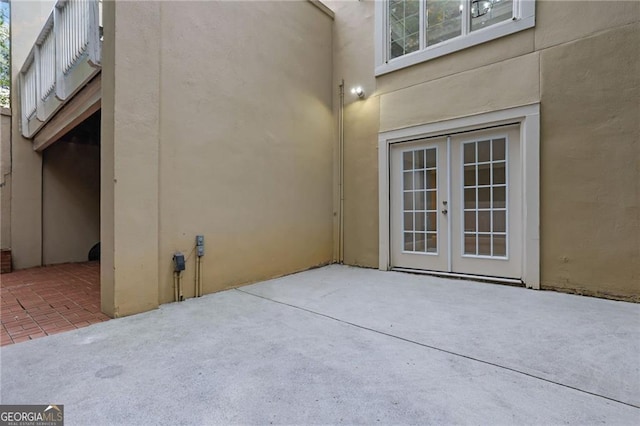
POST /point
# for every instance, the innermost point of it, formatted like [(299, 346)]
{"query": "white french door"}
[(418, 199), (455, 204)]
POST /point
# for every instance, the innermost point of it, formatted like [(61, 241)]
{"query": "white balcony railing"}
[(29, 101), (65, 56), (47, 65)]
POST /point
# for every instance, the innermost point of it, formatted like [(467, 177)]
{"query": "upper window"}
[(412, 31)]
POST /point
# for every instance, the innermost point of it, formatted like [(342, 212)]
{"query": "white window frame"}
[(524, 16), (528, 117)]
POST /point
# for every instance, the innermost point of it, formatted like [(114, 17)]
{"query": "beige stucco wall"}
[(107, 164), (5, 178), (248, 159), (27, 18), (246, 140), (353, 62), (228, 114), (71, 202), (581, 63), (590, 164), (129, 157)]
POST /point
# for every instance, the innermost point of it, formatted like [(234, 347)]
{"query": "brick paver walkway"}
[(40, 301)]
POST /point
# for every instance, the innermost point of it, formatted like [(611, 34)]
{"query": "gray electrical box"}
[(200, 245), (178, 262)]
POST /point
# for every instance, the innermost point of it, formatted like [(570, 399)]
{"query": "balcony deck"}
[(64, 58)]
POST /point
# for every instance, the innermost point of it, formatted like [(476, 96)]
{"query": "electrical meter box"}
[(178, 262), (200, 245)]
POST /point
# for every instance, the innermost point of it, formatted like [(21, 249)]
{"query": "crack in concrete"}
[(514, 370)]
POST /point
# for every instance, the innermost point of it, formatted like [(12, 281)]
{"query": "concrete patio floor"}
[(342, 345)]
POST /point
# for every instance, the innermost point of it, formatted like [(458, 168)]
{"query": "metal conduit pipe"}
[(199, 276), (199, 255), (178, 267), (196, 280), (175, 286), (341, 175)]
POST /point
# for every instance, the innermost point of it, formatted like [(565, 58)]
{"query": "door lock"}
[(444, 210)]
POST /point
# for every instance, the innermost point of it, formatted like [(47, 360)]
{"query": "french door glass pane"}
[(485, 198), (419, 189), (485, 13), (499, 245), (498, 149), (443, 20), (404, 27), (484, 151), (499, 197)]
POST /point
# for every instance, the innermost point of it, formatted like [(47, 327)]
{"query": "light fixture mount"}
[(358, 91)]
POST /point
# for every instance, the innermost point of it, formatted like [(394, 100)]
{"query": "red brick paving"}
[(37, 302)]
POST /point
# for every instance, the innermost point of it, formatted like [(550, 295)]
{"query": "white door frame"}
[(528, 117)]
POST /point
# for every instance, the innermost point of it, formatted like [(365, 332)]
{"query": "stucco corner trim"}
[(528, 117), (384, 194), (323, 7)]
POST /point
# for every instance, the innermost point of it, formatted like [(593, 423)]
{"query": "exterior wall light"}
[(358, 91)]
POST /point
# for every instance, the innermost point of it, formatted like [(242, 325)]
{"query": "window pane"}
[(408, 241), (431, 158), (408, 221), (420, 221), (444, 20), (432, 200), (408, 200), (432, 179), (407, 160), (420, 200), (432, 242), (484, 151), (499, 221), (419, 159), (432, 222), (411, 7), (408, 180), (420, 243), (499, 171), (469, 153), (404, 32), (499, 197), (484, 245), (412, 24), (418, 180), (484, 198), (469, 243), (469, 175), (484, 221), (484, 174), (469, 221), (498, 149), (412, 43), (485, 13), (470, 198), (499, 245)]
